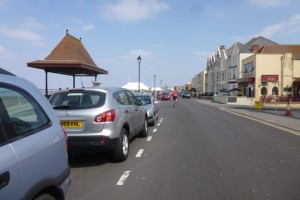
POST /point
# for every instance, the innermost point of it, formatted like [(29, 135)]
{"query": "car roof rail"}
[(3, 71)]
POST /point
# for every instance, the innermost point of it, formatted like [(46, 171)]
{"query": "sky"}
[(173, 37)]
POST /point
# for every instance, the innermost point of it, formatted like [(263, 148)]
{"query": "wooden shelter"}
[(70, 58)]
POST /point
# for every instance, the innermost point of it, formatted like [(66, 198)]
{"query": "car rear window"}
[(77, 99), (144, 99)]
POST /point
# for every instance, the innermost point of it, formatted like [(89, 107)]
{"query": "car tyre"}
[(44, 196), (121, 152), (144, 132), (154, 119)]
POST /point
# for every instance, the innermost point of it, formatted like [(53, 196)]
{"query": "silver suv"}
[(33, 144), (100, 119)]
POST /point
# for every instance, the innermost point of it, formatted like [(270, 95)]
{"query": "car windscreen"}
[(77, 100)]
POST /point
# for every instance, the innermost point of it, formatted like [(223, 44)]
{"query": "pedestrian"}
[(175, 97)]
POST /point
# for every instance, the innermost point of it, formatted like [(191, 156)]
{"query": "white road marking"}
[(149, 138), (123, 178), (154, 130), (158, 124), (139, 153), (160, 120)]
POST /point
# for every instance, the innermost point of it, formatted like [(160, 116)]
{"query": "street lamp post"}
[(139, 60)]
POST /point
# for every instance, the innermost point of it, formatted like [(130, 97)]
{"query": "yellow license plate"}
[(72, 124)]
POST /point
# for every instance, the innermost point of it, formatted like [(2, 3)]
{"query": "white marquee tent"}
[(135, 86)]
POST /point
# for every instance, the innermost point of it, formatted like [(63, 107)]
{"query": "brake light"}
[(108, 116)]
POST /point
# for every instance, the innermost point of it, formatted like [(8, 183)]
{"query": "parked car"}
[(165, 96), (33, 144), (151, 106), (186, 95), (100, 119)]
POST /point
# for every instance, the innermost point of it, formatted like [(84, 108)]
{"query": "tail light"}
[(108, 116), (66, 136)]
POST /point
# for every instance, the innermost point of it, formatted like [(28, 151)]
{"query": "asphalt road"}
[(195, 151)]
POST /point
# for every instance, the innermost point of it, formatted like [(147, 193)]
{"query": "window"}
[(121, 97), (20, 113), (263, 91), (249, 68), (233, 74), (77, 100), (131, 98), (275, 91)]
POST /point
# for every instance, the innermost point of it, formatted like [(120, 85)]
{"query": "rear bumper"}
[(91, 143)]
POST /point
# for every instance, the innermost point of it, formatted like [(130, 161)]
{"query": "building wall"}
[(281, 65)]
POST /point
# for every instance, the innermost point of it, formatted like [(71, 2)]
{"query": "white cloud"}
[(132, 10), (85, 26), (292, 25), (142, 53), (31, 23), (268, 3), (19, 33), (26, 30), (88, 27)]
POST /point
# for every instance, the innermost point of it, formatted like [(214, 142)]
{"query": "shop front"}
[(247, 86)]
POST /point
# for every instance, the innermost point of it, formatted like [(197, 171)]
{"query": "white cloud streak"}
[(292, 25), (132, 10), (268, 3), (26, 31)]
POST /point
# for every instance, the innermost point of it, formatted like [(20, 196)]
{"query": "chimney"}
[(255, 48)]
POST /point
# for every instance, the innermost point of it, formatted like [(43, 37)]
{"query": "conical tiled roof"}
[(69, 57)]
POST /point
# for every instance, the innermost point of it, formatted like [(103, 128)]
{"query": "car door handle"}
[(4, 179)]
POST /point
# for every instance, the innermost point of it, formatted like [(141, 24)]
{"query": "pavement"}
[(272, 115)]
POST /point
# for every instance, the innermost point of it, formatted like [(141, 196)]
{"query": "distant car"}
[(151, 106), (33, 144), (100, 119), (186, 95), (165, 96)]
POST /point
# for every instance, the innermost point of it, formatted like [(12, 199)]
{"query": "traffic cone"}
[(288, 111)]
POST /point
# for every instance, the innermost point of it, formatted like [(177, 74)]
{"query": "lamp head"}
[(139, 59)]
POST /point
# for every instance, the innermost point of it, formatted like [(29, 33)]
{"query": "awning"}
[(246, 80)]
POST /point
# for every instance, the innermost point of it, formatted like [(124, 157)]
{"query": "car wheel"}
[(153, 122), (144, 132), (44, 196), (121, 152)]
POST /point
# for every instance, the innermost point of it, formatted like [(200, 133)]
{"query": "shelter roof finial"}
[(67, 32)]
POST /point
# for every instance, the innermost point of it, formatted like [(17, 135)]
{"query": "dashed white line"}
[(149, 138), (139, 153), (123, 178), (160, 120), (158, 124), (154, 130)]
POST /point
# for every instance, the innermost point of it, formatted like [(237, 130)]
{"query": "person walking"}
[(175, 98)]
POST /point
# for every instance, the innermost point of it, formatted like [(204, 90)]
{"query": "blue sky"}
[(174, 37)]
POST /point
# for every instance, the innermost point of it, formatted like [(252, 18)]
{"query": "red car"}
[(165, 96)]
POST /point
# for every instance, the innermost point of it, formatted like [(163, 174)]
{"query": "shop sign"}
[(246, 80), (270, 78)]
